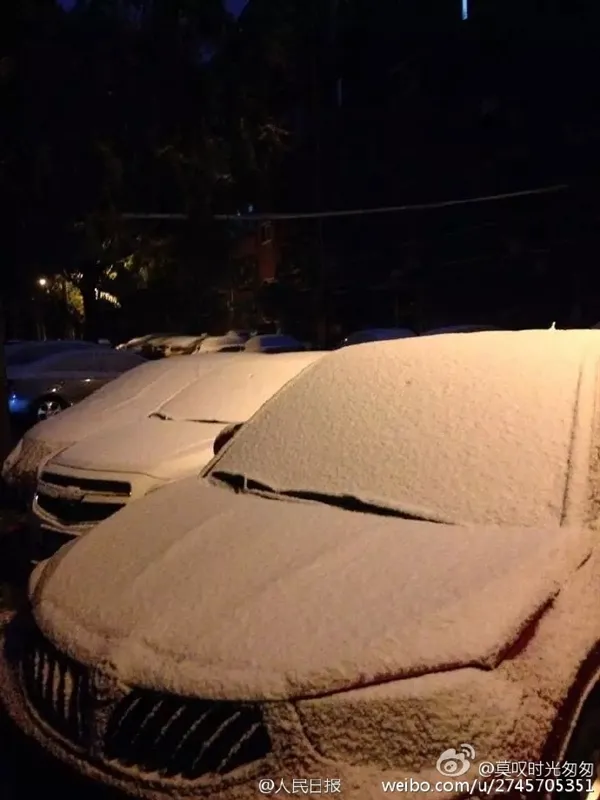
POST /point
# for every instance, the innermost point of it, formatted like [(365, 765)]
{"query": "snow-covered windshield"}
[(473, 429)]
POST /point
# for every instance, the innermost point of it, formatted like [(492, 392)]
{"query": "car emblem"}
[(72, 493), (102, 687)]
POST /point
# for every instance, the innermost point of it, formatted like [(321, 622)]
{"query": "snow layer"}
[(215, 344), (163, 449), (182, 387), (478, 428), (21, 467), (230, 389), (244, 597)]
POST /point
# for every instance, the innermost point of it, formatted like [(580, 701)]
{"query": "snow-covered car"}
[(140, 342), (94, 478), (273, 343), (389, 579), (42, 388), (376, 335), (178, 346), (231, 342)]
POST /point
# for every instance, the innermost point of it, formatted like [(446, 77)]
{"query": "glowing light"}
[(42, 282), (465, 9)]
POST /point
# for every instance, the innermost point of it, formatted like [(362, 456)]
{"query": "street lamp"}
[(42, 282)]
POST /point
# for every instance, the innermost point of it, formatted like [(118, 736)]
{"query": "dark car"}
[(42, 387), (28, 352)]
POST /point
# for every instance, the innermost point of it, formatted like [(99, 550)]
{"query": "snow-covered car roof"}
[(463, 429), (181, 339), (376, 335), (217, 344), (273, 341)]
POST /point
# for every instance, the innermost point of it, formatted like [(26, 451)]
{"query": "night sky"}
[(235, 6)]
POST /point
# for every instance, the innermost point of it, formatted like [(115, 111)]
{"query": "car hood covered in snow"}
[(211, 388), (163, 449), (239, 596)]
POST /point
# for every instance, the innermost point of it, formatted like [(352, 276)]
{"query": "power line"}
[(264, 217)]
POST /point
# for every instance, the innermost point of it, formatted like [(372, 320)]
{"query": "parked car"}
[(231, 342), (397, 554), (133, 396), (180, 345), (141, 343), (274, 343), (42, 388), (21, 353), (376, 335), (107, 469)]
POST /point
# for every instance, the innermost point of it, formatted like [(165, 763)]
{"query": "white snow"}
[(242, 597), (157, 448), (471, 428), (181, 341), (134, 395), (232, 389), (227, 389), (238, 596), (216, 344)]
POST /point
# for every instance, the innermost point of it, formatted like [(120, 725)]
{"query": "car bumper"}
[(292, 760)]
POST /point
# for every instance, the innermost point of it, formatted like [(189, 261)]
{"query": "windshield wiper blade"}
[(213, 421), (160, 415), (240, 484)]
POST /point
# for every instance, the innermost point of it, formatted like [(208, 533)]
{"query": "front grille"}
[(76, 512), (116, 488), (57, 688), (184, 737)]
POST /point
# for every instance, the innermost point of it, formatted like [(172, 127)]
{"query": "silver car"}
[(45, 386)]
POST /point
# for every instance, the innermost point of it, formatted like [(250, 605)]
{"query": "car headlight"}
[(407, 724)]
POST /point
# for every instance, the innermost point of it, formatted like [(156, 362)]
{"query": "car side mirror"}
[(225, 435)]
